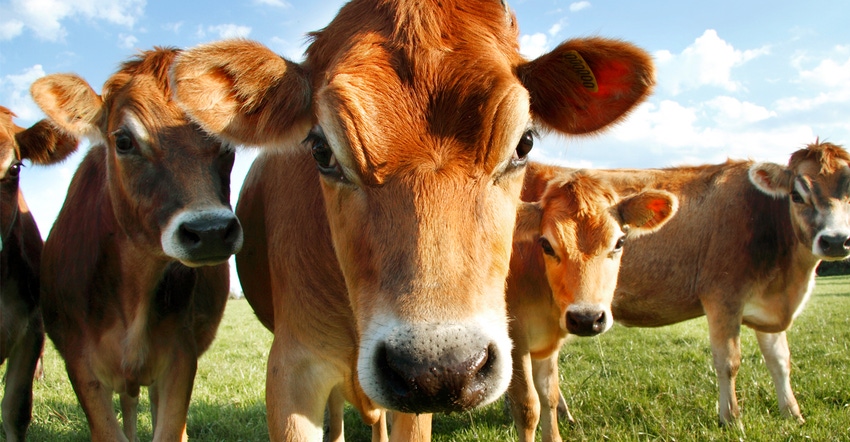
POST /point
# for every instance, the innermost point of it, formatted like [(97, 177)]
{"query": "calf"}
[(742, 249), (567, 250), (21, 329), (134, 275), (378, 232)]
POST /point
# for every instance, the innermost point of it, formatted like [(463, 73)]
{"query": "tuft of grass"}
[(626, 385)]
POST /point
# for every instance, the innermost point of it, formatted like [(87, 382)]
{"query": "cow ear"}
[(71, 104), (528, 218), (45, 144), (585, 84), (241, 91), (772, 179), (647, 211)]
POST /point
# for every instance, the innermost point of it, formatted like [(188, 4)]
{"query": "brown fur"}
[(21, 328), (122, 310), (735, 252), (563, 276), (403, 240)]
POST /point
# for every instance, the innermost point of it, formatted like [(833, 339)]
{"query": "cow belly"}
[(656, 309)]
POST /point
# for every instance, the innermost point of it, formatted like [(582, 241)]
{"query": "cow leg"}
[(129, 414), (334, 417), (96, 400), (525, 406), (563, 410), (20, 370), (777, 357), (297, 389), (409, 427), (546, 383), (153, 396), (379, 428), (173, 391), (725, 335)]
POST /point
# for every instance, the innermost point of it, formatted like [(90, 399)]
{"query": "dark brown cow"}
[(21, 329), (568, 245), (134, 274), (742, 249), (379, 229)]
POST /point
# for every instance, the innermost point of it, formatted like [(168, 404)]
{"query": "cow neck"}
[(140, 277)]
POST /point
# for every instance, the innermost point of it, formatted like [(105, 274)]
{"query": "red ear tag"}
[(580, 67)]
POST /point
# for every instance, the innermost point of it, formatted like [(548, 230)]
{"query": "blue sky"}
[(736, 79)]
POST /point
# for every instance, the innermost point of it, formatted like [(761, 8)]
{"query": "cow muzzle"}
[(429, 368), (204, 237)]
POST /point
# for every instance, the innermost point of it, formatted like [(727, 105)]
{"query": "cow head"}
[(420, 116), (41, 144), (817, 182), (582, 226), (168, 182)]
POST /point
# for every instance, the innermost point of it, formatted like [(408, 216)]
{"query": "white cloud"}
[(831, 75), (578, 6), (275, 3), (127, 41), (10, 29), (707, 62), (44, 17), (730, 111), (534, 45), (16, 89), (173, 27), (228, 30)]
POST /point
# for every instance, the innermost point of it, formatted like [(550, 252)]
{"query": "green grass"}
[(626, 385)]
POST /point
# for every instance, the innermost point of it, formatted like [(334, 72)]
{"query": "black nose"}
[(210, 237), (583, 323), (834, 246), (423, 385)]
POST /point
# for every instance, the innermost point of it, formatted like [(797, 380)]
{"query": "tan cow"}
[(379, 228), (134, 271), (567, 251), (742, 249), (21, 329)]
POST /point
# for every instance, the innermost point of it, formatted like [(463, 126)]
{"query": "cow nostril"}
[(599, 324), (188, 235)]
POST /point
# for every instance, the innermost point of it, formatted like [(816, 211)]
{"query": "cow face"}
[(419, 117), (817, 183), (41, 144), (169, 184), (582, 226)]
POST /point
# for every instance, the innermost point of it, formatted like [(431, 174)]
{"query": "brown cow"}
[(567, 251), (378, 232), (134, 272), (742, 249), (21, 329)]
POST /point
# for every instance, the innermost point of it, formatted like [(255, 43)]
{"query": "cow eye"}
[(619, 245), (547, 247), (796, 197), (14, 169), (124, 142), (325, 159), (523, 148)]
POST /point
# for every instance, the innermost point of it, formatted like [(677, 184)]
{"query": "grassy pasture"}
[(627, 385)]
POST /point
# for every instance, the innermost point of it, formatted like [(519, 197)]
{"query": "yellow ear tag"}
[(588, 80)]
